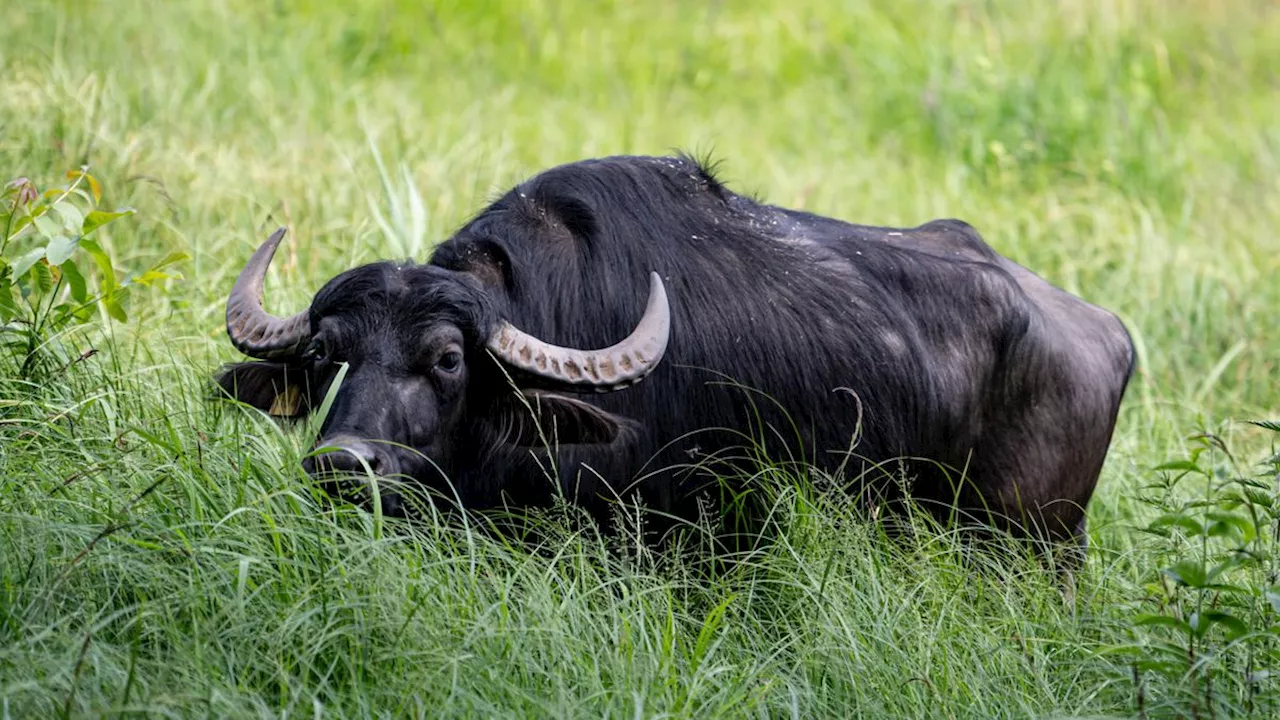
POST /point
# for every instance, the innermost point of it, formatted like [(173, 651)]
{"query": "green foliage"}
[(1208, 620), (42, 287)]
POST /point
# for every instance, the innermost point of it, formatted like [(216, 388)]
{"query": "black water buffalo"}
[(656, 321)]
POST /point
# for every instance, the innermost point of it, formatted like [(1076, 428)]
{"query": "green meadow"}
[(163, 555)]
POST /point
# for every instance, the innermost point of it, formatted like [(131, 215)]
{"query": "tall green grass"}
[(163, 555)]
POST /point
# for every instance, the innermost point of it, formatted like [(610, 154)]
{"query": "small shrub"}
[(1208, 624), (48, 260)]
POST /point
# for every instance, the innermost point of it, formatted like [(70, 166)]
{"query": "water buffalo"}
[(655, 321)]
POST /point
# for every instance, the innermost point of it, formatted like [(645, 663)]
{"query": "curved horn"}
[(605, 370), (254, 331)]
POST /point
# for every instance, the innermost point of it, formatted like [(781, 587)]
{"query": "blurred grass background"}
[(1128, 151)]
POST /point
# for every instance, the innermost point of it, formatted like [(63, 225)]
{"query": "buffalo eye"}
[(450, 362)]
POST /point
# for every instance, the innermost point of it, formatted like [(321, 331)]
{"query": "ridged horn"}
[(604, 370), (254, 331)]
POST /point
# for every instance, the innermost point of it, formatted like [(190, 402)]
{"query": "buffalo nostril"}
[(341, 467), (346, 459)]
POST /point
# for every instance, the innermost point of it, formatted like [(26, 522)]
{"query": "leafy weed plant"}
[(43, 288), (1208, 620)]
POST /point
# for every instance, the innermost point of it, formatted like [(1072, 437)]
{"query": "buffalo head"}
[(430, 364)]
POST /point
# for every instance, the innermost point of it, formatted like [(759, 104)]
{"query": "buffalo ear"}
[(277, 388), (539, 417)]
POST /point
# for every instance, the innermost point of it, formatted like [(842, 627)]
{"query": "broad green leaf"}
[(72, 218), (1227, 565), (46, 226), (103, 262), (98, 218), (151, 276), (1233, 626), (73, 311), (60, 249), (1273, 596), (1187, 572), (1227, 524), (1163, 621), (41, 278), (93, 183), (75, 280), (8, 306), (171, 258), (1186, 522), (114, 308), (1230, 589), (1185, 465), (24, 262), (1249, 496)]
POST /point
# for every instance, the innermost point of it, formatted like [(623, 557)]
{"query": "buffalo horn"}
[(605, 370), (254, 331)]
